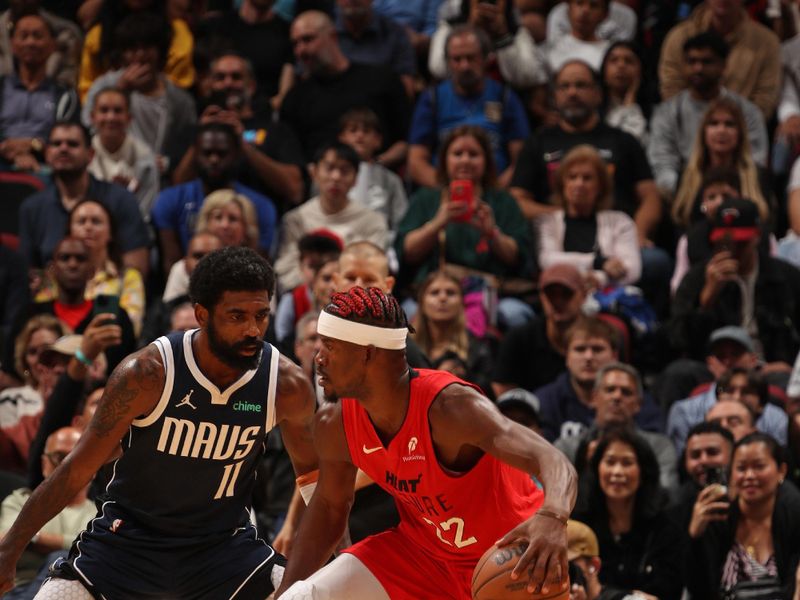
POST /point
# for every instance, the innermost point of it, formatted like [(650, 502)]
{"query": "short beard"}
[(228, 354), (577, 115)]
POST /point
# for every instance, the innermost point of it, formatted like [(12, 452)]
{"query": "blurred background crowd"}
[(589, 208)]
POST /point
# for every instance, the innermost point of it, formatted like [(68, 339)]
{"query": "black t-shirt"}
[(313, 107), (265, 45), (526, 359), (277, 141), (543, 151)]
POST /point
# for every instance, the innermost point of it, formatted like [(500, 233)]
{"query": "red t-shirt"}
[(72, 314), (452, 516)]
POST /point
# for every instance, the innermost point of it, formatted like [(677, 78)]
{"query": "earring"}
[(592, 570)]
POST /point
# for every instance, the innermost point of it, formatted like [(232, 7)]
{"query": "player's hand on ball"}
[(545, 560)]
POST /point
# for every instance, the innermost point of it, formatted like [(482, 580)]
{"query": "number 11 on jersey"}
[(229, 475)]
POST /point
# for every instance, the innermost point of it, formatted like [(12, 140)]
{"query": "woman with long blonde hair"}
[(231, 217), (721, 142)]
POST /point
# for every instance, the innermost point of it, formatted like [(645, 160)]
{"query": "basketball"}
[(491, 579)]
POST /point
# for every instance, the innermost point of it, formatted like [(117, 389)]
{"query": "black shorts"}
[(118, 559)]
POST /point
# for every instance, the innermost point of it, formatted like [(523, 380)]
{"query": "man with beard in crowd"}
[(272, 158), (468, 96), (217, 152)]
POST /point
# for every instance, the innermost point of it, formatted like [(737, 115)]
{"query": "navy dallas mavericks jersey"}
[(188, 468)]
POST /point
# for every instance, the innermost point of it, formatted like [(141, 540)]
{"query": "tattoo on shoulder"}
[(142, 373)]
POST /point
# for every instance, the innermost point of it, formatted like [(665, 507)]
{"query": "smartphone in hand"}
[(462, 191), (105, 303)]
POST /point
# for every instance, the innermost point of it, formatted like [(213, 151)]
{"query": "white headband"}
[(359, 333)]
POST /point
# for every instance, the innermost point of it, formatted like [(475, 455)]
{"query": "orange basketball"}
[(491, 579)]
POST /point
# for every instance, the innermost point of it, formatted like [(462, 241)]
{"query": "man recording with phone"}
[(271, 153), (706, 461), (71, 269), (739, 285)]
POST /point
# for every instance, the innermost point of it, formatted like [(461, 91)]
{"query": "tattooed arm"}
[(132, 391)]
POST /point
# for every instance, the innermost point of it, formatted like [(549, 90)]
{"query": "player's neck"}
[(386, 403), (217, 372)]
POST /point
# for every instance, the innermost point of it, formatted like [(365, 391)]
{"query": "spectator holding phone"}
[(467, 221), (91, 222), (747, 539), (738, 285), (706, 461), (72, 269)]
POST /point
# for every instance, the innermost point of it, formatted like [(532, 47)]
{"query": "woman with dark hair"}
[(90, 221), (621, 500), (482, 230), (99, 53), (621, 77), (748, 547)]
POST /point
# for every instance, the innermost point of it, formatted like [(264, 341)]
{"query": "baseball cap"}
[(735, 334), (564, 274), (736, 219), (581, 541), (521, 398), (66, 345)]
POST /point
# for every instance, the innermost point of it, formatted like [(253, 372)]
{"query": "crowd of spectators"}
[(589, 208)]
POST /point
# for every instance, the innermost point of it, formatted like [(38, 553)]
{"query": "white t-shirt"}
[(570, 48)]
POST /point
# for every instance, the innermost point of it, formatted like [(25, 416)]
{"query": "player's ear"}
[(201, 314), (390, 283)]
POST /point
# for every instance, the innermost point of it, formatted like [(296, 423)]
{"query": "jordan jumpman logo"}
[(186, 401)]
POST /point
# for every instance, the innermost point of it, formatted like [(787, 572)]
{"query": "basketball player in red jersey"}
[(460, 472)]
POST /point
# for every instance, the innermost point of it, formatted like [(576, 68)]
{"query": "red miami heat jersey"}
[(451, 516)]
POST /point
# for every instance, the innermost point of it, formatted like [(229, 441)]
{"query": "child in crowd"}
[(694, 246), (376, 186), (317, 249)]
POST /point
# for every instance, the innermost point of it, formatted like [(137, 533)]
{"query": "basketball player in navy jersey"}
[(191, 411), (459, 471)]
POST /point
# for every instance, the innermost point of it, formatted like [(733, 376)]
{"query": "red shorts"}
[(408, 573)]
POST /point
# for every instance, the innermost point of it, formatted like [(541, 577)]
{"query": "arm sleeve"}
[(757, 131), (405, 61), (640, 167), (663, 148), (670, 64), (436, 62), (790, 99), (398, 109), (515, 121), (423, 128), (530, 169), (430, 17), (511, 358), (130, 225), (90, 65), (766, 90), (551, 244), (522, 63), (179, 67), (625, 246)]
